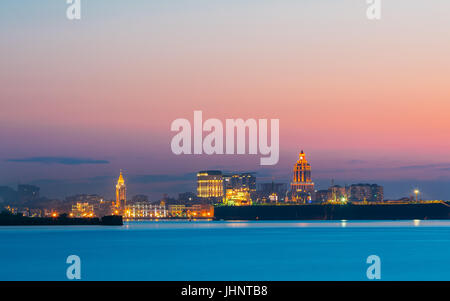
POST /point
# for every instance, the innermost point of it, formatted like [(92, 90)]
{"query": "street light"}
[(416, 192)]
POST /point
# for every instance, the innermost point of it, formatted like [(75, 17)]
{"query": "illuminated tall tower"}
[(121, 193), (302, 186), (210, 184)]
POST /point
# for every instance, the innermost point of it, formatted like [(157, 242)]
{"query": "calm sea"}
[(204, 250)]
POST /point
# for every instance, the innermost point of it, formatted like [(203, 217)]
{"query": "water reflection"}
[(203, 224), (170, 224)]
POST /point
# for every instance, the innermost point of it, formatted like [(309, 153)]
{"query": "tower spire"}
[(302, 186)]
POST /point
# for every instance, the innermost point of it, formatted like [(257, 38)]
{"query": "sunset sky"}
[(368, 101)]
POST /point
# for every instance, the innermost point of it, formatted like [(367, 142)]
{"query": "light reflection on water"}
[(288, 224), (184, 224), (229, 250)]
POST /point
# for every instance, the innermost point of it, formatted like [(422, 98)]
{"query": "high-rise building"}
[(210, 184), (121, 193), (366, 193), (240, 181), (239, 188), (338, 194), (302, 186)]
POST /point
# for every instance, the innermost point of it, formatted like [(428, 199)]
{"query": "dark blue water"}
[(169, 250)]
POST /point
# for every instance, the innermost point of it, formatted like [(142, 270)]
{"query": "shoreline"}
[(17, 220)]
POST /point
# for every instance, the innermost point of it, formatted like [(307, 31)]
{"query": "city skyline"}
[(368, 101), (302, 175), (224, 148)]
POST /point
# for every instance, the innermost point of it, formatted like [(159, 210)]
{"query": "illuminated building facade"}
[(200, 211), (176, 210), (271, 192), (337, 194), (210, 184), (82, 210), (240, 181), (239, 189), (273, 198), (121, 193), (238, 197), (354, 193), (144, 210), (194, 211), (302, 187)]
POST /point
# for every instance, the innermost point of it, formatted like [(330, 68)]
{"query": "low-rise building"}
[(193, 211)]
